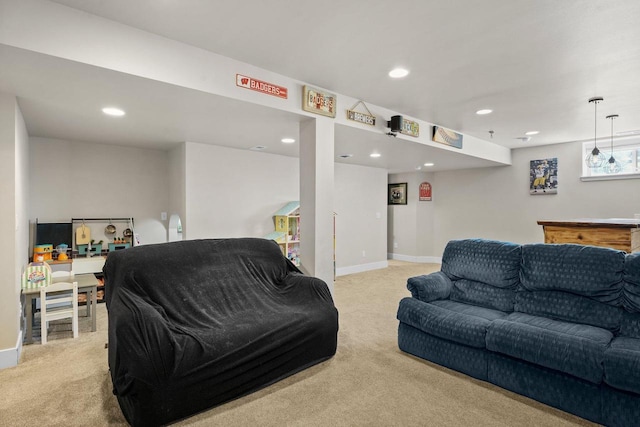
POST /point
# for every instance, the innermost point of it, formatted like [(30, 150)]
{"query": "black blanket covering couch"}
[(194, 324)]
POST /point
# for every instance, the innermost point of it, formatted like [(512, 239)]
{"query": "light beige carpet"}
[(369, 382)]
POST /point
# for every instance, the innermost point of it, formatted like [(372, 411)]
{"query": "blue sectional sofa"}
[(557, 323)]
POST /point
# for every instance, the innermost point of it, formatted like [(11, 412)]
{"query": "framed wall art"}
[(318, 101), (543, 176), (397, 194)]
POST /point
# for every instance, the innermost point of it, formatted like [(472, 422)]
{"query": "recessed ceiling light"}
[(345, 156), (484, 111), (258, 148), (375, 155), (288, 140), (532, 132), (429, 164), (398, 73), (112, 111)]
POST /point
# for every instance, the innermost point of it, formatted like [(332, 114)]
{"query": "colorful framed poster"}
[(425, 192), (318, 102), (543, 176), (447, 137), (398, 194)]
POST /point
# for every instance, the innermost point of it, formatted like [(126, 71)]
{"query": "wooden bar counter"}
[(617, 233)]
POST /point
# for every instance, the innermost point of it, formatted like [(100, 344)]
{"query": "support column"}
[(316, 198)]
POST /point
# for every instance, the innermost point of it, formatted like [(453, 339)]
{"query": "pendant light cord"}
[(595, 124)]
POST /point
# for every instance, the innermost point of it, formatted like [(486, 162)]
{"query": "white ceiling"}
[(534, 62)]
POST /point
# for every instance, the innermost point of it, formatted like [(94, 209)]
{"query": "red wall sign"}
[(425, 192), (260, 86)]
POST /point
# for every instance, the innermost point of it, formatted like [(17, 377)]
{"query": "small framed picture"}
[(398, 194), (543, 176)]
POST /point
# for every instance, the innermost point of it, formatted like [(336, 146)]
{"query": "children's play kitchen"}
[(81, 245), (81, 237), (109, 240)]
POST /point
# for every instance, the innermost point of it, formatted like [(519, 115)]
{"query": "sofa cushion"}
[(622, 364), (487, 261), (462, 323), (630, 325), (570, 308), (478, 293), (588, 271), (631, 292), (567, 347)]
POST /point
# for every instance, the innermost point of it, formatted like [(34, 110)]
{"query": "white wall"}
[(177, 185), (77, 179), (14, 224), (495, 202), (234, 193), (361, 218), (411, 226)]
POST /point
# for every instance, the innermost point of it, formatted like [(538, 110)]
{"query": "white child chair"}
[(63, 305)]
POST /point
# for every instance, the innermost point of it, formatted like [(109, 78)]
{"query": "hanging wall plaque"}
[(356, 116)]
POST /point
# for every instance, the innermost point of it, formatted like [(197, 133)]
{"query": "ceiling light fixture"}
[(429, 164), (595, 158), (112, 111), (345, 156), (398, 73), (375, 155), (288, 140), (532, 132), (484, 112), (612, 166)]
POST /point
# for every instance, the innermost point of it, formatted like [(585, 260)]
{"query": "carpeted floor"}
[(368, 383)]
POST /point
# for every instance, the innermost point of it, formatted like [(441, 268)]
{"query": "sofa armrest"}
[(430, 287)]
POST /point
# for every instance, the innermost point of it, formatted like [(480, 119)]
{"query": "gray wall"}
[(361, 218), (234, 193), (14, 224), (495, 202), (411, 226), (78, 179)]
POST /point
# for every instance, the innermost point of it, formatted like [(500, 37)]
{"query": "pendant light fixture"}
[(595, 158), (612, 166)]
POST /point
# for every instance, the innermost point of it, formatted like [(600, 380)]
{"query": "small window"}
[(627, 153)]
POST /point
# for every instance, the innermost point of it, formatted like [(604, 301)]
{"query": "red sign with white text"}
[(425, 192), (260, 86)]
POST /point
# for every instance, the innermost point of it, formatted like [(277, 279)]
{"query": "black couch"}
[(557, 323), (194, 324)]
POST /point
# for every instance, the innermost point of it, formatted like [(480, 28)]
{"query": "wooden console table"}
[(617, 233)]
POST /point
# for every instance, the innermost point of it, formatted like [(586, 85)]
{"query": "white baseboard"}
[(9, 357), (343, 271), (417, 259)]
